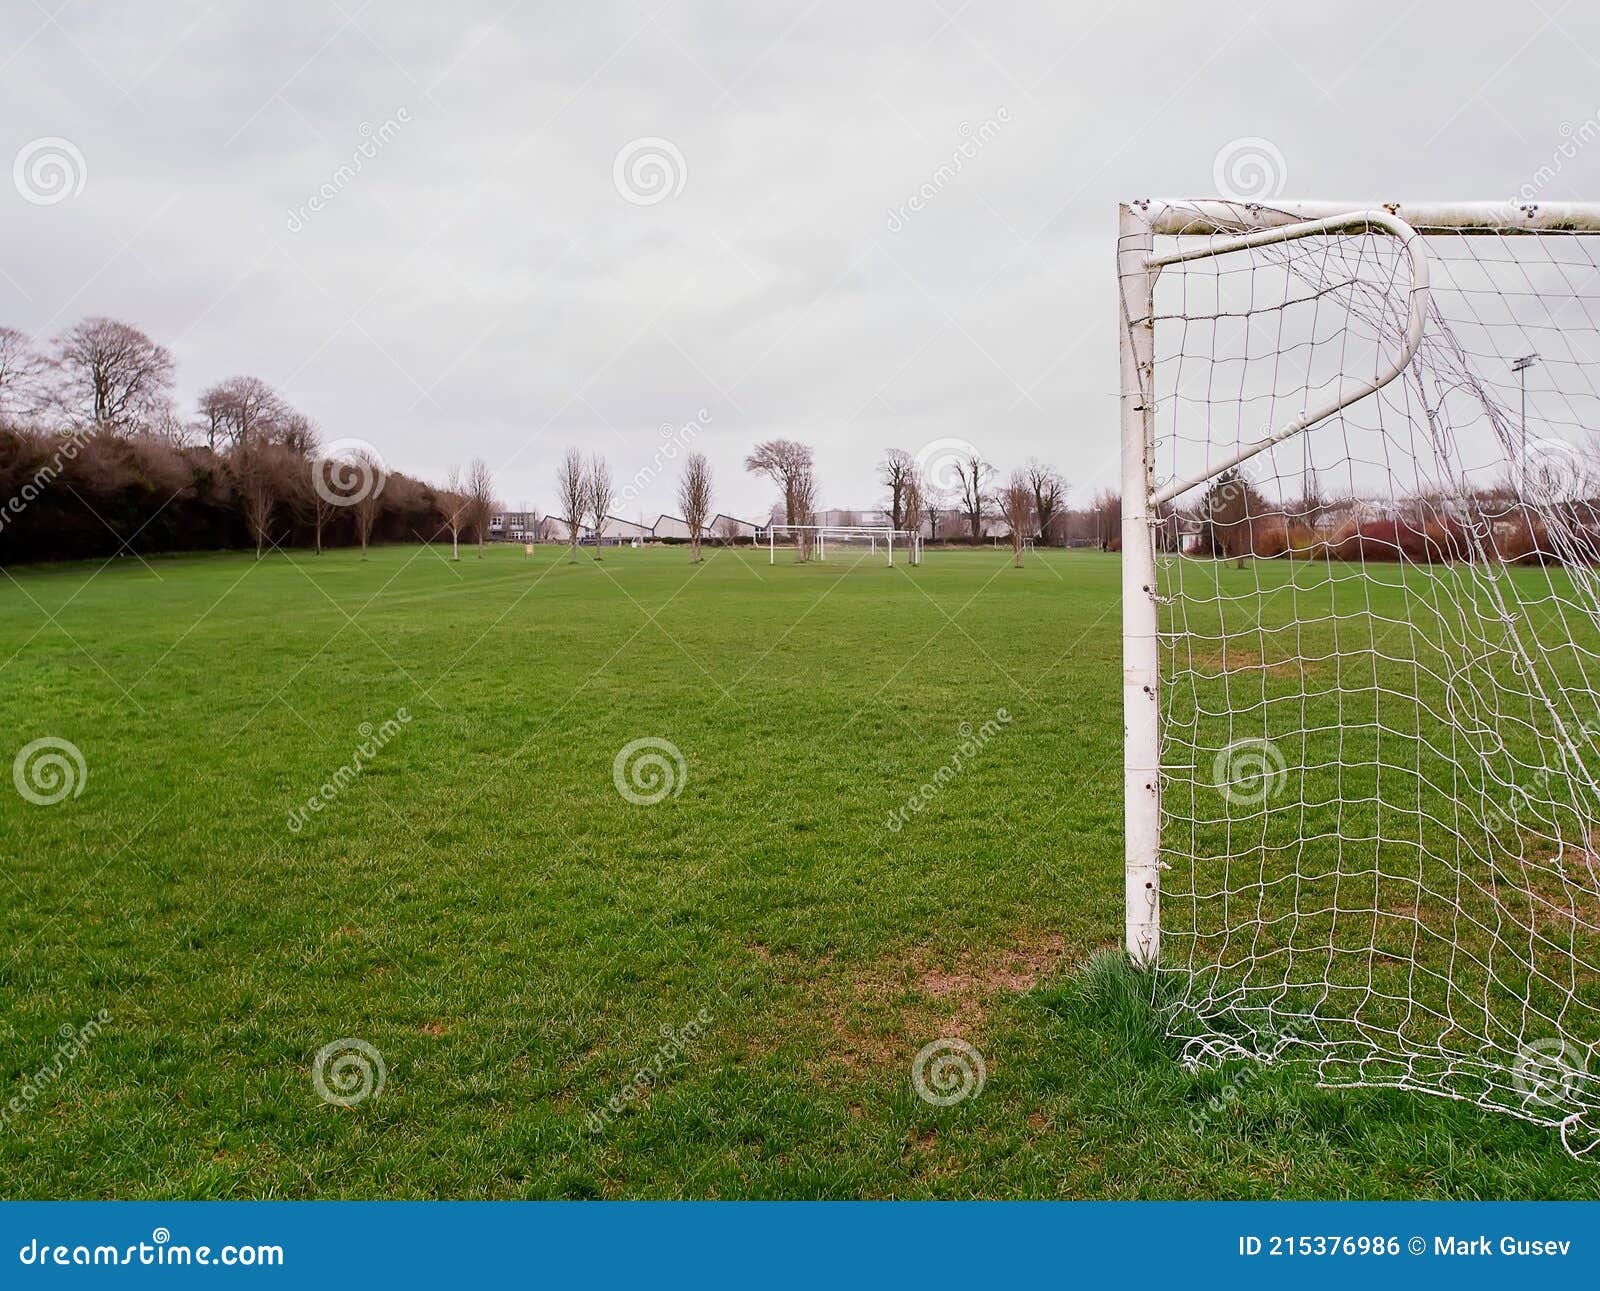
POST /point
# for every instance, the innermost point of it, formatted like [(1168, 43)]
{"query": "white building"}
[(515, 525), (615, 527), (732, 529)]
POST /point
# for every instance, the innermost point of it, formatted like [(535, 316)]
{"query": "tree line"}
[(1234, 520), (96, 458)]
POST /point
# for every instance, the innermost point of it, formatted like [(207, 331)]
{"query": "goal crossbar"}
[(1187, 217)]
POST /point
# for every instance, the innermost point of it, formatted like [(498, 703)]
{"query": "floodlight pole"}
[(1141, 663), (1520, 367)]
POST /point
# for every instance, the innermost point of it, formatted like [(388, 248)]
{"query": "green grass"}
[(485, 908)]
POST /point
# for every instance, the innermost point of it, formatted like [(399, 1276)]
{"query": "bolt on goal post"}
[(1360, 620)]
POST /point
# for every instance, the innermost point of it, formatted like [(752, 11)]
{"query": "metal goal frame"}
[(1229, 227)]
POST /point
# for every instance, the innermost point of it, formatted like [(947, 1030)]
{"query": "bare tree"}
[(1230, 513), (321, 498), (269, 443), (235, 409), (1016, 509), (479, 489), (786, 464), (259, 469), (296, 432), (312, 499), (1107, 513), (803, 493), (167, 424), (1312, 505), (599, 496), (694, 498), (933, 501), (22, 374), (974, 474), (326, 486), (213, 417), (572, 493), (898, 473), (1169, 527), (366, 506), (456, 507), (112, 374), (1049, 496), (911, 509)]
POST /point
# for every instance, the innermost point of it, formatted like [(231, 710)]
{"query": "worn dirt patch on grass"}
[(880, 1017)]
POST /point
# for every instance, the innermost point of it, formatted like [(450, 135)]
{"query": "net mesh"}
[(1380, 642)]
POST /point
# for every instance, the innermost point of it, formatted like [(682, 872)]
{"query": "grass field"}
[(482, 906)]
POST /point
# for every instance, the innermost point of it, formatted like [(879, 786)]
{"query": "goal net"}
[(850, 542), (1362, 637)]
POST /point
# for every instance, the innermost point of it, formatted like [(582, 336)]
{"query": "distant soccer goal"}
[(1361, 620), (813, 541)]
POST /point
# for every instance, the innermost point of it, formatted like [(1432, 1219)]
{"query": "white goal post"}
[(875, 538), (1360, 464)]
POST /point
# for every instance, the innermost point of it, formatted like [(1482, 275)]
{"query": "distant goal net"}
[(817, 541), (1362, 641)]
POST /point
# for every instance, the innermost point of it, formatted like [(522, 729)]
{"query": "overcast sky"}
[(499, 265)]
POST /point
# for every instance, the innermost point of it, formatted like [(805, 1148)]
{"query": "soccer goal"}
[(814, 540), (1361, 621)]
